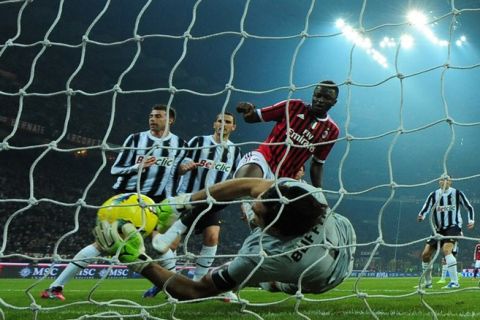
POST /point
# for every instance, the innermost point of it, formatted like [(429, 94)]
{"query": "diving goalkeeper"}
[(297, 241)]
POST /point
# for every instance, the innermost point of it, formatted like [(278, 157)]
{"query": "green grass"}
[(387, 298)]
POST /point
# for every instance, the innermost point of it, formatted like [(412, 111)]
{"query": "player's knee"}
[(426, 256), (447, 249), (211, 235)]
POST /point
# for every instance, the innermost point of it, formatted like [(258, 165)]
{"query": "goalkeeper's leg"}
[(55, 291)]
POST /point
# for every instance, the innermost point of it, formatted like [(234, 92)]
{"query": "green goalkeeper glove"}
[(170, 210), (129, 244), (107, 236)]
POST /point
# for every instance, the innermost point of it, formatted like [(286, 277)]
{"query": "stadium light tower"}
[(363, 42), (416, 18), (419, 20), (460, 41)]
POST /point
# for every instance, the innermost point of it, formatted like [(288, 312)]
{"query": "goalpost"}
[(77, 77)]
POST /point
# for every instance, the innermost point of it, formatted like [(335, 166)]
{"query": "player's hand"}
[(249, 113), (107, 236), (133, 249), (149, 161), (419, 218), (133, 246), (470, 225), (245, 107), (170, 209), (129, 243), (185, 167)]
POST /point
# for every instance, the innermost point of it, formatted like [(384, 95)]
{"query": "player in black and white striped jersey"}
[(445, 203), (210, 159), (213, 158), (156, 152)]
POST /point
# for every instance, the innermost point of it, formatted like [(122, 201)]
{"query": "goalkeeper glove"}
[(107, 236), (130, 247), (170, 210)]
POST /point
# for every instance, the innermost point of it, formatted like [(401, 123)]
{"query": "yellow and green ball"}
[(126, 207)]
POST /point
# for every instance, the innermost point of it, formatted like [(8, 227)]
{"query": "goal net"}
[(77, 77)]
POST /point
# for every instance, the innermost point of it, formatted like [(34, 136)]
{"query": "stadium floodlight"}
[(460, 41), (419, 20), (387, 42), (363, 42), (416, 18), (340, 23)]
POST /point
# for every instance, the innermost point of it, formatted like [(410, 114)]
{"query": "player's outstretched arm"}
[(170, 209), (234, 189), (179, 286), (249, 113)]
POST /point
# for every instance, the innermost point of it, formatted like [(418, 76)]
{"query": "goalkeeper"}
[(273, 256)]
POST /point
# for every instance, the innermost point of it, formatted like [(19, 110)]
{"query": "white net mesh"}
[(76, 77)]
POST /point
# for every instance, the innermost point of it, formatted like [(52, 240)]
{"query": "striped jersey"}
[(305, 130), (159, 180), (476, 253), (445, 207), (216, 163)]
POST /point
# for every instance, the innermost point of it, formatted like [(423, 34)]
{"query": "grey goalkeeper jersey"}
[(288, 259)]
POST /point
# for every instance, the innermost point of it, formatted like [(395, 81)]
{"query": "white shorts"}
[(477, 263), (258, 159)]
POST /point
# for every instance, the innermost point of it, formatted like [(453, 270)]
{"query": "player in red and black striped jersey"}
[(309, 127), (476, 257)]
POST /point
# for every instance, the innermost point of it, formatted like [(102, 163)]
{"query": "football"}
[(126, 206)]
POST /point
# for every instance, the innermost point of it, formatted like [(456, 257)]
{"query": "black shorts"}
[(450, 231), (210, 218)]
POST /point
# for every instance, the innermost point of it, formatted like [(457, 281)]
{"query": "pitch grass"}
[(387, 298)]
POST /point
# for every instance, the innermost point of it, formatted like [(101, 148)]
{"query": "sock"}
[(168, 260), (176, 230), (452, 267), (444, 271), (428, 272), (74, 267), (204, 263)]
